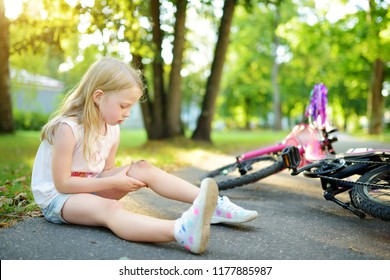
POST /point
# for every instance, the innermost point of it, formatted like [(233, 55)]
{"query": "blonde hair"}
[(108, 75)]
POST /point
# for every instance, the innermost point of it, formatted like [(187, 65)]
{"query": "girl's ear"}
[(97, 96)]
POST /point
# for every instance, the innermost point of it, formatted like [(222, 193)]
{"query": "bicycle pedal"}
[(291, 157)]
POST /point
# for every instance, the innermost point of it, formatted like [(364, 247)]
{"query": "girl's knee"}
[(113, 206), (141, 164), (143, 171)]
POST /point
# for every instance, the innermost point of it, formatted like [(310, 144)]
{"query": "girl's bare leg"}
[(92, 210), (191, 230), (161, 182), (173, 187)]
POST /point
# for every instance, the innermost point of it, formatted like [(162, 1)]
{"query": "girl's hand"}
[(127, 183)]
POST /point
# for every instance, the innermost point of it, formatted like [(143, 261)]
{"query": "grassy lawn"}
[(385, 137), (18, 152), (17, 156)]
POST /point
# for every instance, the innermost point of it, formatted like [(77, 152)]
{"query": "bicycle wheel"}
[(374, 199), (248, 171)]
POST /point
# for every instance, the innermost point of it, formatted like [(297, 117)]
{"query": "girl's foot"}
[(229, 213), (192, 230)]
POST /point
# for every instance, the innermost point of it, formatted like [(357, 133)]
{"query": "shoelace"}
[(227, 205)]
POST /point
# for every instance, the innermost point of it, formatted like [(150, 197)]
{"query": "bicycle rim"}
[(374, 198), (229, 176)]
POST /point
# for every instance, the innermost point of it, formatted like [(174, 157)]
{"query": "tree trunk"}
[(157, 131), (203, 129), (276, 97), (174, 126), (6, 120), (146, 105), (275, 71), (375, 99)]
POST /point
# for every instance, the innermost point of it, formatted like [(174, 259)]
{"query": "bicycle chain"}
[(355, 182), (369, 162)]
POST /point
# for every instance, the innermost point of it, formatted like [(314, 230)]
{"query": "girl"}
[(75, 180)]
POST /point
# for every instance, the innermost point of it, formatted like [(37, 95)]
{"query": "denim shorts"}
[(53, 212)]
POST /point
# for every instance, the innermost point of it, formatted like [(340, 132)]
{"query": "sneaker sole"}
[(219, 220), (209, 196)]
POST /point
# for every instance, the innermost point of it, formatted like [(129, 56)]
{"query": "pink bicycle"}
[(312, 140)]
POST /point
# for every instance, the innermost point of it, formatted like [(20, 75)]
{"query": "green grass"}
[(17, 155), (241, 141), (385, 137), (170, 154)]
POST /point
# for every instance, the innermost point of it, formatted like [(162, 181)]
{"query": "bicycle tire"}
[(225, 182), (374, 201)]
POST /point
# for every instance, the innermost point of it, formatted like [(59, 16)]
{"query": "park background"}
[(220, 76)]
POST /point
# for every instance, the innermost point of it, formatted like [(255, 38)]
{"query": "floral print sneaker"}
[(230, 213), (192, 229)]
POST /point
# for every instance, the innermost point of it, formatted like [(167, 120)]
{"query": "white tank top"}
[(42, 184)]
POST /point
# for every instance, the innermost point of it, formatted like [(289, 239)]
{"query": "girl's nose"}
[(126, 113)]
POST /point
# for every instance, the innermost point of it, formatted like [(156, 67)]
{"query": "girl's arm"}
[(63, 147), (110, 165), (110, 161)]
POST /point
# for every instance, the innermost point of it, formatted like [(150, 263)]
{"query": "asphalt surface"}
[(295, 223)]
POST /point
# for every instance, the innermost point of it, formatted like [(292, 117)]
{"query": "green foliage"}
[(38, 36), (72, 77), (29, 120), (338, 54), (247, 88)]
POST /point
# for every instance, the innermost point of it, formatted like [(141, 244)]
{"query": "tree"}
[(250, 82), (203, 129), (161, 109), (154, 108), (330, 53), (165, 118), (377, 18), (174, 125), (246, 90), (6, 119), (275, 67), (376, 101), (336, 53)]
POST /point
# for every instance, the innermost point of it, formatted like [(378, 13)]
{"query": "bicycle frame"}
[(313, 144)]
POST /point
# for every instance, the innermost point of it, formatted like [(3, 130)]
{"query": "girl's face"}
[(115, 106)]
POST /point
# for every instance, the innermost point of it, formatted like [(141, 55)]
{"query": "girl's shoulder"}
[(72, 121), (76, 127)]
